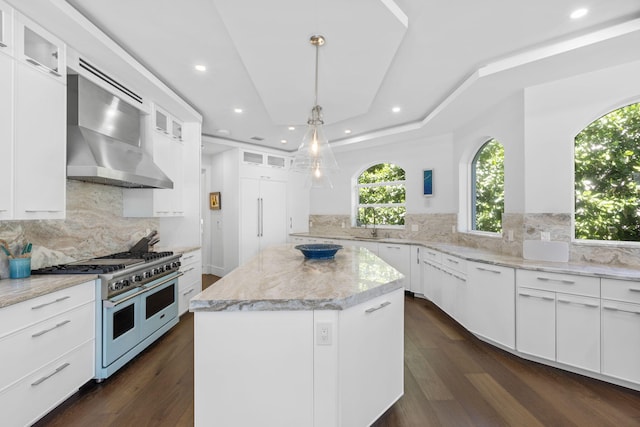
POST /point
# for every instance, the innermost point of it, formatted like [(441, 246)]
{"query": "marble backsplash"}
[(517, 228), (94, 226)]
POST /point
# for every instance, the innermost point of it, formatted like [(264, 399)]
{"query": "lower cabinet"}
[(491, 308), (621, 329), (190, 283), (48, 348), (559, 318), (399, 257), (416, 270)]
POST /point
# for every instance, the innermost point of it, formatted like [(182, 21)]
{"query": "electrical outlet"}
[(510, 235), (324, 333), (545, 236), (343, 224)]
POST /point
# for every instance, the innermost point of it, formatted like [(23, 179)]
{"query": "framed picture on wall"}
[(214, 201), (427, 182)]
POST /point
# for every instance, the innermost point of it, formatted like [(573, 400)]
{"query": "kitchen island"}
[(289, 341)]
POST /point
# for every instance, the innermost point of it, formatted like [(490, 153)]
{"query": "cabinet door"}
[(371, 358), (399, 257), (578, 331), (621, 340), (536, 323), (273, 206), (432, 282), (492, 303), (6, 136), (416, 270), (249, 218), (40, 145)]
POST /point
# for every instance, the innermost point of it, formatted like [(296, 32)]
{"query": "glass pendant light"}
[(314, 156)]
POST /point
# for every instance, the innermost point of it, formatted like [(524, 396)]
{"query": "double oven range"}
[(136, 302)]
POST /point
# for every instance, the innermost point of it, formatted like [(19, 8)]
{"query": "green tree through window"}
[(381, 195), (488, 187), (607, 177)]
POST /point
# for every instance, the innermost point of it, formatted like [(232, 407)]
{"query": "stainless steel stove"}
[(136, 302)]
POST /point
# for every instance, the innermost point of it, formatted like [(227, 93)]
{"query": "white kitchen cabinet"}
[(620, 329), (6, 28), (49, 344), (399, 257), (39, 145), (263, 215), (557, 317), (416, 270), (6, 136), (190, 283), (578, 331), (40, 49), (536, 323), (372, 246), (168, 155), (455, 292), (491, 308), (432, 275), (371, 358)]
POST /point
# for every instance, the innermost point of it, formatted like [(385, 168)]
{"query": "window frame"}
[(356, 197), (473, 190)]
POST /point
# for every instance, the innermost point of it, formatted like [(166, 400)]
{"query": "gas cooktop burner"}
[(80, 269), (146, 256)]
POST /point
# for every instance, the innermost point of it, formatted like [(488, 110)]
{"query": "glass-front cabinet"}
[(6, 28), (40, 49)]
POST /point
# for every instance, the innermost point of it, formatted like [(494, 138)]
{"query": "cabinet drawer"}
[(431, 256), (191, 258), (192, 274), (26, 313), (41, 391), (184, 296), (621, 290), (557, 282), (33, 347), (454, 263)]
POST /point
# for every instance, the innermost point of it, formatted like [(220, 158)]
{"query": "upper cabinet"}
[(6, 28), (33, 132), (169, 155), (40, 49)]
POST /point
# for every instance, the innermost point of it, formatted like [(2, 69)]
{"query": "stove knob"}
[(160, 269), (113, 287), (125, 282), (167, 267), (175, 264), (147, 274)]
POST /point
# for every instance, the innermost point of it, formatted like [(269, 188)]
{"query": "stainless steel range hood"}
[(103, 140)]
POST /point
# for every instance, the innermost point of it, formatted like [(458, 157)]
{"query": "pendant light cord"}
[(316, 88)]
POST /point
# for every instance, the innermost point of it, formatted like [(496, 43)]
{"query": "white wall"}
[(554, 114), (413, 156)]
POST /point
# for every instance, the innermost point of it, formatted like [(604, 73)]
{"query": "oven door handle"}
[(111, 304)]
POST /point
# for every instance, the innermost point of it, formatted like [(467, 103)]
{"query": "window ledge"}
[(488, 234), (606, 243)]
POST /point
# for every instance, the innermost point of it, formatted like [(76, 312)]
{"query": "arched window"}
[(381, 196), (487, 187), (607, 177)]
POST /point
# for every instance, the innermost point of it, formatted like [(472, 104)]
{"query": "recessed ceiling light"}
[(283, 141), (579, 13), (396, 109), (238, 110), (200, 67), (347, 131), (291, 128)]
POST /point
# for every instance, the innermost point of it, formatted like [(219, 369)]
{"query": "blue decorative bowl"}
[(319, 250)]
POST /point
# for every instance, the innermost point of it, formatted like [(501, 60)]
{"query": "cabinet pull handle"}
[(50, 302), (418, 256), (188, 292), (634, 289), (431, 253), (37, 334), (566, 301), (189, 269), (372, 309), (33, 62), (41, 210), (2, 44), (489, 270), (43, 379), (606, 307), (393, 247), (547, 279), (453, 261), (535, 296), (55, 73)]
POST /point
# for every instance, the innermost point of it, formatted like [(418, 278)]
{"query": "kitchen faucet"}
[(374, 230)]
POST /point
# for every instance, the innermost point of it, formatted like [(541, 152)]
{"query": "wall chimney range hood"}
[(103, 139)]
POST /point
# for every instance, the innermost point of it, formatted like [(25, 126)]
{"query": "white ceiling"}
[(440, 62)]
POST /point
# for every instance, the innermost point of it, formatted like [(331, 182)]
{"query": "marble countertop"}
[(479, 255), (13, 291), (280, 278)]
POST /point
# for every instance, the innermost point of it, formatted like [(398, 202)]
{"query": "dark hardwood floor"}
[(451, 379)]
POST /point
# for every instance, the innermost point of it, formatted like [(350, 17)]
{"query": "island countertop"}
[(280, 278)]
